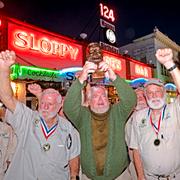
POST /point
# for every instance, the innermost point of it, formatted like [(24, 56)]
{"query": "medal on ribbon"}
[(157, 128), (46, 131), (46, 147), (36, 121), (156, 142)]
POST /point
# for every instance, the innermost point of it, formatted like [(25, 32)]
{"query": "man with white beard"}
[(48, 146), (155, 133)]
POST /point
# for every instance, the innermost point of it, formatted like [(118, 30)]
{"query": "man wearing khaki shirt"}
[(7, 144)]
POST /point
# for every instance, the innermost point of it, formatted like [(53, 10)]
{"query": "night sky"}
[(133, 18)]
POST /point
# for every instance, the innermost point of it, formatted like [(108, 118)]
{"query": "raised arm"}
[(90, 67), (73, 101), (35, 89), (7, 58), (165, 57)]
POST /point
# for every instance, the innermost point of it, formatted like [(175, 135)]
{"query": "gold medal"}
[(46, 147), (36, 121), (156, 142)]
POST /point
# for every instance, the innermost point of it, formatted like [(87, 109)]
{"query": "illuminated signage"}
[(117, 63), (139, 70), (36, 73), (43, 49), (110, 35), (108, 47), (138, 82), (106, 24), (28, 41), (106, 12)]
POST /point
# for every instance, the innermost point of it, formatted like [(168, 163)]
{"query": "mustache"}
[(156, 99), (43, 111)]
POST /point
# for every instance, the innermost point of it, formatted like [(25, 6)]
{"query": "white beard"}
[(156, 103), (100, 110), (51, 115)]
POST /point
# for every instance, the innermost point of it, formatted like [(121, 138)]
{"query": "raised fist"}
[(35, 89), (7, 58), (165, 57)]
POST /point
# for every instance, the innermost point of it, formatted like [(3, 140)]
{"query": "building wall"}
[(144, 49)]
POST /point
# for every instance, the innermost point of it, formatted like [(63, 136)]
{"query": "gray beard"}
[(51, 115), (97, 111), (160, 104)]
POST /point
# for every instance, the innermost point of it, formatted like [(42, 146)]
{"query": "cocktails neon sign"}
[(45, 74)]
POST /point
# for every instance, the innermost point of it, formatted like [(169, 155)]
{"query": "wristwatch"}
[(172, 68)]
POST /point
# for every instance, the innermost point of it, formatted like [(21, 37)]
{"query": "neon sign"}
[(117, 63), (36, 47), (139, 70), (113, 62), (106, 12), (37, 73), (28, 41)]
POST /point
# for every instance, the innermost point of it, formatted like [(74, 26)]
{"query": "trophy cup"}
[(94, 54)]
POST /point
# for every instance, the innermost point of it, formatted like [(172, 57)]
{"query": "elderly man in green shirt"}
[(101, 125)]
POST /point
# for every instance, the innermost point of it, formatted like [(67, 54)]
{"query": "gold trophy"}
[(94, 54)]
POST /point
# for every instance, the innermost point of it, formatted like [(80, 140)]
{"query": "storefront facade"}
[(53, 60)]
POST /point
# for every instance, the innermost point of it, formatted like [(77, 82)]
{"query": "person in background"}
[(155, 134), (85, 95), (101, 125), (8, 143), (47, 143), (35, 89), (141, 104)]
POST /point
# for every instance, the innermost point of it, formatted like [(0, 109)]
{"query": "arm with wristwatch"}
[(165, 57)]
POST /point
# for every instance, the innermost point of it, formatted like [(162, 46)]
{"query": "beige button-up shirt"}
[(163, 158), (7, 146)]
